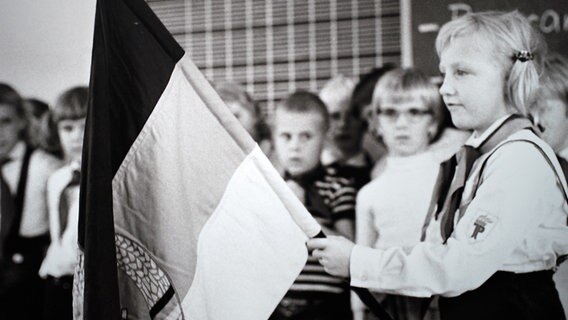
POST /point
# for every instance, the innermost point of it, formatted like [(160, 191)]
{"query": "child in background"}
[(503, 223), (24, 224), (68, 116), (391, 209), (35, 110), (344, 151), (551, 111), (551, 114), (247, 112), (299, 127), (361, 105)]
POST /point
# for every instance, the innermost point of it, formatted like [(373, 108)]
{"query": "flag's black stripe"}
[(140, 57), (162, 302), (132, 61)]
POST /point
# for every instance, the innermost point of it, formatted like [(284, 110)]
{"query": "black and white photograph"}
[(284, 159)]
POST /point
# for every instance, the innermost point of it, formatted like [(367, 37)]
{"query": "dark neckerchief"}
[(11, 221), (448, 191), (308, 178)]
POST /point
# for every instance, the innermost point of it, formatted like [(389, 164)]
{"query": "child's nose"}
[(402, 119), (78, 134), (446, 88), (295, 143)]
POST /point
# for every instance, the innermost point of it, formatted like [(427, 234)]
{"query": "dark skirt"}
[(507, 295)]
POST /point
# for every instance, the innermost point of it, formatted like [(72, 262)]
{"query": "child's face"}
[(346, 129), (473, 85), (552, 117), (244, 115), (11, 127), (71, 137), (298, 140), (405, 126)]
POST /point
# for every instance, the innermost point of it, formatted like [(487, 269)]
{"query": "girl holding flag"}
[(504, 228)]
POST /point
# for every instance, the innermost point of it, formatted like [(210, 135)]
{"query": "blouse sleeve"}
[(511, 201)]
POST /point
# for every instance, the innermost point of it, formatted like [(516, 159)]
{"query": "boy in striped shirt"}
[(299, 129)]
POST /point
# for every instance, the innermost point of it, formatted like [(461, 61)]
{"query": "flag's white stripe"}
[(191, 175), (250, 247), (288, 198), (175, 173)]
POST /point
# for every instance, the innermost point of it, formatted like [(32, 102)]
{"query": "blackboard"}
[(427, 16)]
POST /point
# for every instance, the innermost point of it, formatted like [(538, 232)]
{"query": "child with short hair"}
[(501, 206), (343, 151), (68, 116), (299, 126), (361, 101), (551, 114), (391, 209), (23, 211)]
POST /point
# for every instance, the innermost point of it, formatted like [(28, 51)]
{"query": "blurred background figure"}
[(35, 110), (361, 105), (551, 115), (24, 171), (68, 116), (343, 150), (241, 104), (391, 209), (300, 125)]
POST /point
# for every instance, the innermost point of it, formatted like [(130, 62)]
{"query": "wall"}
[(45, 46), (276, 46), (426, 17)]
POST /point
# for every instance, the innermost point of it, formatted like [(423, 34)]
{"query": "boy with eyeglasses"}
[(391, 209)]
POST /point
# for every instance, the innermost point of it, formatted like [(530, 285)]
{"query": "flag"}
[(182, 216)]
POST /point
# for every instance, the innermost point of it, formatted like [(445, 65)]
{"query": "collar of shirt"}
[(330, 156), (563, 153), (74, 166), (11, 170), (17, 152), (358, 160), (477, 139), (306, 179)]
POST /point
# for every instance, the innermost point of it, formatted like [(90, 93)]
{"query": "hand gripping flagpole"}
[(311, 227), (365, 295)]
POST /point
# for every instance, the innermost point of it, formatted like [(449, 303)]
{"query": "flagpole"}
[(365, 295)]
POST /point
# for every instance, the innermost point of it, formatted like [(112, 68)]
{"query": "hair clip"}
[(523, 56)]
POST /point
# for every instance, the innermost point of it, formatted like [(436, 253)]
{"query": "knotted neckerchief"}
[(454, 172), (64, 201), (12, 206)]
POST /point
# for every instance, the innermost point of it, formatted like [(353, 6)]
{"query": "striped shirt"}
[(329, 198)]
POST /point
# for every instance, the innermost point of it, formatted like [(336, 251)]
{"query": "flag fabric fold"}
[(182, 216)]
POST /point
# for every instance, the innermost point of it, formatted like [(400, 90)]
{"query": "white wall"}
[(45, 45)]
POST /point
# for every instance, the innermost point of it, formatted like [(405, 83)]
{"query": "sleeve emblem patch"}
[(481, 227)]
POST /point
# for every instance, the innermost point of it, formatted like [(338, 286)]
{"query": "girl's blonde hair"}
[(337, 91), (505, 35), (399, 85)]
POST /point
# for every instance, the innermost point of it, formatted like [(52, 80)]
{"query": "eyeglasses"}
[(412, 114)]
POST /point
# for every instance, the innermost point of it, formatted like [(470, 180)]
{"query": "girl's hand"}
[(333, 254)]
